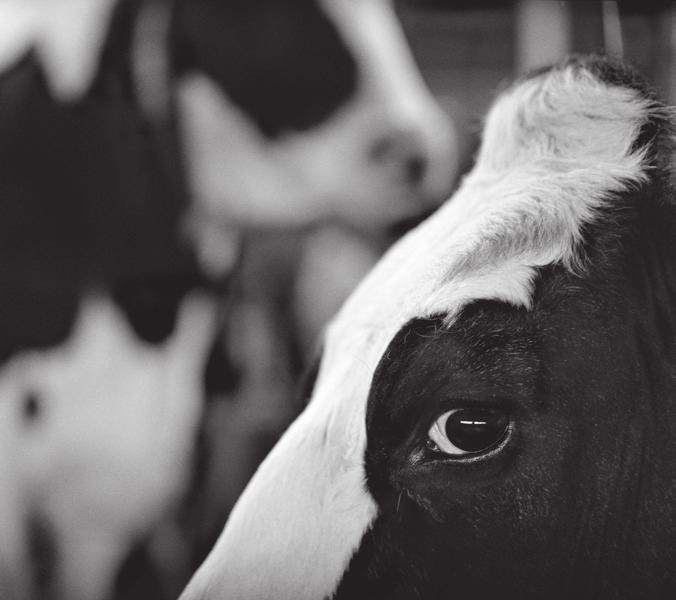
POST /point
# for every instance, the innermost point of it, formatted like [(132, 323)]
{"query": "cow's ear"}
[(563, 118), (655, 139), (558, 147)]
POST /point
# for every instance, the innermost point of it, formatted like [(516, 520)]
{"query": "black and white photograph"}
[(337, 300)]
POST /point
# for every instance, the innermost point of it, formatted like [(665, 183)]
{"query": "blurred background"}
[(288, 280)]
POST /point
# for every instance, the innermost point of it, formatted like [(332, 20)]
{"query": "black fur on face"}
[(577, 500), (281, 61)]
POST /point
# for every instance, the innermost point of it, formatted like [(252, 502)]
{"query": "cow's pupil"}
[(474, 430)]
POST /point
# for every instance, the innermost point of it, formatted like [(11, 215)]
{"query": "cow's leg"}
[(88, 558), (14, 555)]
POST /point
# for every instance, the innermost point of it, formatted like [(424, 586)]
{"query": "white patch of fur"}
[(67, 35), (110, 451), (555, 149)]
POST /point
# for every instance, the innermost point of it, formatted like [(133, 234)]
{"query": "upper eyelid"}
[(468, 401)]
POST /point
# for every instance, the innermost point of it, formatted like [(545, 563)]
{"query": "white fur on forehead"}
[(555, 149)]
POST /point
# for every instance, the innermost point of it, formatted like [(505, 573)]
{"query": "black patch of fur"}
[(221, 374), (151, 303), (32, 408), (281, 61), (43, 553)]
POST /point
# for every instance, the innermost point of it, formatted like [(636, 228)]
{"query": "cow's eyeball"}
[(464, 431)]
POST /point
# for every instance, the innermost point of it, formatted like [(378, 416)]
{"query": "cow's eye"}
[(464, 431)]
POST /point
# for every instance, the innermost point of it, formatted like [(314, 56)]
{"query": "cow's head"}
[(299, 110), (494, 411)]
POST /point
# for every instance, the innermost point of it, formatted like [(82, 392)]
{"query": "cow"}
[(137, 138), (493, 414)]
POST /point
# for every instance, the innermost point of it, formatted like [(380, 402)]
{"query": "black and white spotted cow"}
[(494, 412), (135, 137)]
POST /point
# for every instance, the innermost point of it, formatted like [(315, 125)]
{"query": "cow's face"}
[(491, 413), (298, 111)]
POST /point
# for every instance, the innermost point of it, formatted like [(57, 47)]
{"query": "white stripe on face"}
[(68, 36), (555, 148)]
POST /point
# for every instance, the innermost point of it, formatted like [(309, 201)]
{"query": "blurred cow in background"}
[(137, 140)]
